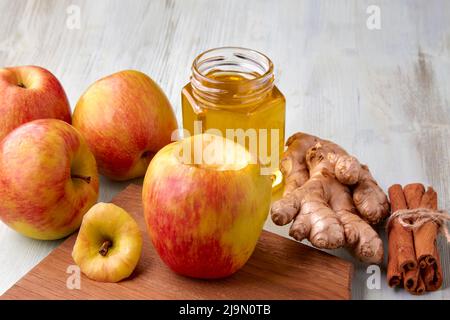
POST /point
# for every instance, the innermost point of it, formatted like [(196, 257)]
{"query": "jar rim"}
[(268, 71), (255, 68)]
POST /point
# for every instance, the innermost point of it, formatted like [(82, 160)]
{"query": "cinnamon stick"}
[(432, 274), (411, 279), (420, 288), (401, 256), (394, 274), (405, 244), (413, 194), (425, 236)]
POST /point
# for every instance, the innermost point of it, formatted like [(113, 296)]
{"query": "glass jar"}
[(232, 93)]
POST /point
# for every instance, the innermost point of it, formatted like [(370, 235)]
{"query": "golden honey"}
[(232, 93)]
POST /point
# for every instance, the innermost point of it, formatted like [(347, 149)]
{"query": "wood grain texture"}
[(278, 269), (382, 94)]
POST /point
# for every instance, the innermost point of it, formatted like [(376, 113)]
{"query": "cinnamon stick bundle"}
[(413, 258)]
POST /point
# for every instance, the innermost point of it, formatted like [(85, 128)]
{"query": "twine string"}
[(415, 218)]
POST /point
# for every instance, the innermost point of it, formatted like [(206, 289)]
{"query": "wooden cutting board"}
[(278, 269)]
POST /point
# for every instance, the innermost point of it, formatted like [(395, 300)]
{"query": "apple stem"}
[(147, 154), (104, 248), (87, 179)]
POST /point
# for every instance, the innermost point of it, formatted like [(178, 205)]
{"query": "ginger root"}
[(331, 198)]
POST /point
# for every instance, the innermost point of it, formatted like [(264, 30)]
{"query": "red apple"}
[(126, 118), (28, 93), (48, 179), (205, 218)]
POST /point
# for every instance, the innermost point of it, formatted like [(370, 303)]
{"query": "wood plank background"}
[(382, 94)]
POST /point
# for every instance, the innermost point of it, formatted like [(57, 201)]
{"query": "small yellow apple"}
[(109, 243)]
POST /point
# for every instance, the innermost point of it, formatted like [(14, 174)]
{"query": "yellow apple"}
[(109, 244), (48, 179), (28, 93), (205, 217), (126, 118)]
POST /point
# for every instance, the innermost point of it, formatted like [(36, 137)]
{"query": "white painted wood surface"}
[(382, 94)]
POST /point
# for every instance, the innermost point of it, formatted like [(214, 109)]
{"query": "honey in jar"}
[(232, 93)]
